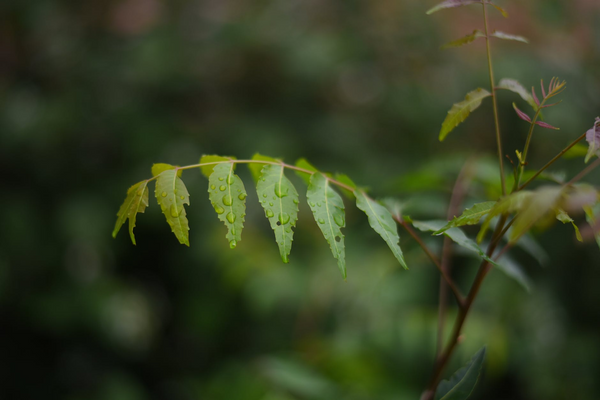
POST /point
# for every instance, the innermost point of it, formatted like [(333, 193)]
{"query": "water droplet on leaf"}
[(231, 217), (221, 178), (231, 179), (321, 221), (174, 212), (281, 190), (227, 200), (164, 194), (270, 214), (339, 220), (222, 188), (219, 210), (213, 187), (284, 218), (242, 196), (232, 244)]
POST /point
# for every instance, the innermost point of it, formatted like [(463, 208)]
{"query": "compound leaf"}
[(514, 86), (460, 111), (465, 40), (256, 168), (208, 169), (171, 194), (135, 202), (279, 199), (382, 222), (228, 197), (328, 209), (470, 216), (463, 382), (451, 4), (508, 36)]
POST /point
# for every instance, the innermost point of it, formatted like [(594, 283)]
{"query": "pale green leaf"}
[(502, 11), (514, 86), (505, 205), (452, 4), (508, 36), (328, 209), (228, 197), (256, 168), (460, 111), (563, 217), (171, 194), (135, 202), (159, 168), (463, 382), (579, 150), (533, 209), (208, 169), (464, 40), (470, 216), (302, 163), (382, 222), (279, 199)]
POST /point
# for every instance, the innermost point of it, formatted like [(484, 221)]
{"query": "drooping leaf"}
[(465, 40), (463, 382), (135, 202), (345, 179), (382, 222), (534, 208), (514, 271), (256, 169), (470, 216), (516, 87), (208, 169), (521, 114), (302, 163), (507, 36), (279, 199), (502, 11), (171, 194), (460, 111), (593, 138), (452, 4), (509, 204), (563, 217), (227, 195), (328, 209)]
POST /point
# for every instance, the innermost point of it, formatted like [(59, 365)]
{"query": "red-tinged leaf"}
[(545, 125), (534, 96), (543, 90), (552, 105), (452, 4), (521, 114)]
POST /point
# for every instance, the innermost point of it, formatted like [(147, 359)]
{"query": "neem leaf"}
[(135, 202), (171, 194), (563, 217), (470, 216), (593, 138), (382, 222), (507, 36), (228, 197), (465, 40), (463, 382), (302, 163), (452, 4), (502, 11), (534, 208), (328, 209), (460, 111), (256, 168), (516, 87), (508, 204), (279, 199), (545, 125), (208, 169), (345, 179), (521, 114)]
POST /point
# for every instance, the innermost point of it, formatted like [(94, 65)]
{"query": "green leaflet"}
[(208, 169), (508, 204), (345, 179), (563, 217), (135, 202), (508, 36), (502, 11), (382, 222), (463, 382), (159, 168), (460, 111), (302, 163), (515, 87), (279, 199), (464, 40), (328, 209), (171, 194), (470, 216), (228, 197), (533, 209), (256, 168)]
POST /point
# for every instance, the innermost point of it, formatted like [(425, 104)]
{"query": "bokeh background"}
[(93, 92)]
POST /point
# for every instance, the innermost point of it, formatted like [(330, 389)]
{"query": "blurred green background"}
[(93, 92)]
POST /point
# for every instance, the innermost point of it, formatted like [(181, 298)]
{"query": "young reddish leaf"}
[(464, 40), (452, 4), (543, 90), (545, 125), (593, 138), (507, 36), (521, 114), (535, 98)]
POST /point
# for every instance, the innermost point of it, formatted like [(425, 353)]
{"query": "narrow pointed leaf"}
[(256, 169), (451, 4), (463, 382), (521, 114), (171, 194), (464, 40), (502, 11), (507, 36), (328, 209), (460, 111), (279, 199), (135, 202), (302, 163), (382, 222), (545, 125), (208, 169), (592, 136), (227, 195), (470, 216), (563, 217), (516, 87)]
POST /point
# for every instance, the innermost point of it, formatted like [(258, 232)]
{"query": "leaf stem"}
[(523, 161)]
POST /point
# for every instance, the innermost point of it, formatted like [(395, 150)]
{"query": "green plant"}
[(512, 214)]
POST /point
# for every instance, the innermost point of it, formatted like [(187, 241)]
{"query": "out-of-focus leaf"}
[(460, 111), (393, 205), (171, 195), (593, 138), (463, 382), (382, 222), (514, 271), (534, 208), (208, 169), (533, 248), (563, 217), (451, 4), (545, 125), (579, 150), (157, 169), (302, 163), (592, 215), (465, 40), (514, 86), (135, 202), (470, 216), (508, 204), (345, 179), (507, 36), (502, 11), (255, 169), (521, 114)]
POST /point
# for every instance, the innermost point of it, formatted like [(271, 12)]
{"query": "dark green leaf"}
[(463, 382), (470, 216)]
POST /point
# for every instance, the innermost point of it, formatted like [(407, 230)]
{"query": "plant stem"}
[(523, 161), (494, 100)]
